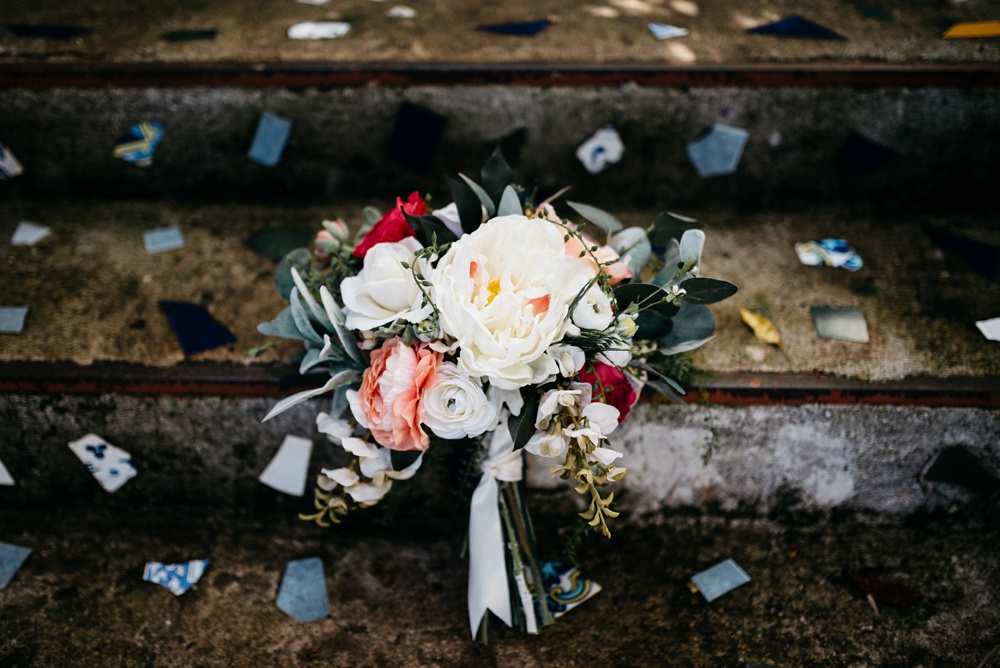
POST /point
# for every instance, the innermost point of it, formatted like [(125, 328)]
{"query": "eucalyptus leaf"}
[(665, 390), (484, 199), (692, 243), (694, 324), (707, 290), (496, 175), (645, 296), (342, 378), (651, 325), (598, 217), (300, 259), (470, 209), (522, 425), (667, 226), (510, 203)]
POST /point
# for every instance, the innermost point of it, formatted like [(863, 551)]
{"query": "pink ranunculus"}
[(617, 272), (388, 402), (610, 387), (392, 226)]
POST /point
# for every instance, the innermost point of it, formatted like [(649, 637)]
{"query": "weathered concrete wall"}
[(949, 141), (208, 451)]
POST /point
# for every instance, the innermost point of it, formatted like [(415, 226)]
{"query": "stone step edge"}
[(747, 388), (327, 74)]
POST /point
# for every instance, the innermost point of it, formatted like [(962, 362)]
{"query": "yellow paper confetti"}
[(973, 29), (761, 326)]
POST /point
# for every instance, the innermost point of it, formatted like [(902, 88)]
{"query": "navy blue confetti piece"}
[(302, 594), (522, 28), (195, 328), (416, 136), (862, 155), (797, 26), (190, 35), (47, 31)]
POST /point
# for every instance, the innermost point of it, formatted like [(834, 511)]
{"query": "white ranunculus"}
[(384, 291), (594, 311), (456, 406), (504, 293)]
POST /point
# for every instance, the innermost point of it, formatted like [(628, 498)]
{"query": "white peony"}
[(504, 293), (456, 406), (594, 311), (384, 291)]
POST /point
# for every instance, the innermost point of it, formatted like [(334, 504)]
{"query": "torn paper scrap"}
[(797, 26), (319, 30), (195, 328), (54, 31), (718, 151), (269, 140), (29, 234), (401, 12), (605, 147), (9, 166), (720, 579), (5, 477), (162, 239), (110, 465), (565, 588), (11, 558), (522, 28), (416, 136), (190, 35), (302, 594), (12, 319), (862, 155), (286, 472), (177, 578), (973, 29), (830, 253), (762, 328), (664, 31), (846, 324), (139, 143), (990, 328)]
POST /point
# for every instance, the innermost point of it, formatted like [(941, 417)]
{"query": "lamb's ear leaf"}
[(598, 217)]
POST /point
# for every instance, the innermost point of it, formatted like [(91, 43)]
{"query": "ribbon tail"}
[(487, 565)]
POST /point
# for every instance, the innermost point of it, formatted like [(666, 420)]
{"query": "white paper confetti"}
[(5, 477), (663, 31), (319, 30), (601, 150), (990, 328), (9, 166), (28, 234), (286, 472), (402, 12), (163, 239)]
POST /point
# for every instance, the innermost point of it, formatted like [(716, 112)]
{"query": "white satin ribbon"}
[(487, 565)]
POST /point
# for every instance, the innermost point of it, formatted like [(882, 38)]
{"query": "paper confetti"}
[(605, 147), (28, 234), (415, 136), (60, 32), (522, 28), (9, 166), (720, 579), (302, 594), (11, 558), (663, 31), (830, 253), (139, 143), (718, 151), (163, 239), (176, 578), (286, 472), (5, 477), (111, 466), (319, 30), (862, 155), (190, 35), (797, 26), (973, 29), (12, 319), (401, 12), (195, 328), (990, 328), (565, 588), (269, 140), (846, 324), (761, 326)]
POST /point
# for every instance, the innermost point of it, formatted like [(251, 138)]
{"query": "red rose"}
[(393, 225), (610, 387)]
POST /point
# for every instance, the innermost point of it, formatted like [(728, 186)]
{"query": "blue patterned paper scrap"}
[(720, 579), (177, 578), (829, 252), (139, 143), (565, 587), (11, 558), (269, 141)]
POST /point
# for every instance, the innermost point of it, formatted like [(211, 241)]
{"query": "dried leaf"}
[(761, 326)]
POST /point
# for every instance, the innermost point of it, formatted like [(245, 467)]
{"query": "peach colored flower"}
[(388, 402), (618, 271)]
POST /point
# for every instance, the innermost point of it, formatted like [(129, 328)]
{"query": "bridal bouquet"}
[(499, 324)]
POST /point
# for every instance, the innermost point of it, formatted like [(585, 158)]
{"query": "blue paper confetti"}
[(718, 151), (11, 558), (862, 155), (195, 328), (163, 239), (829, 252), (302, 594), (416, 136), (47, 31), (177, 578), (664, 31), (797, 26), (522, 28), (720, 579), (269, 141), (12, 319), (139, 143), (9, 166)]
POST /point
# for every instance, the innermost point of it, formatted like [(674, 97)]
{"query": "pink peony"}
[(388, 402), (617, 272)]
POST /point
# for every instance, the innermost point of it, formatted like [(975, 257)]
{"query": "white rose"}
[(594, 311), (456, 406), (384, 291), (504, 293)]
